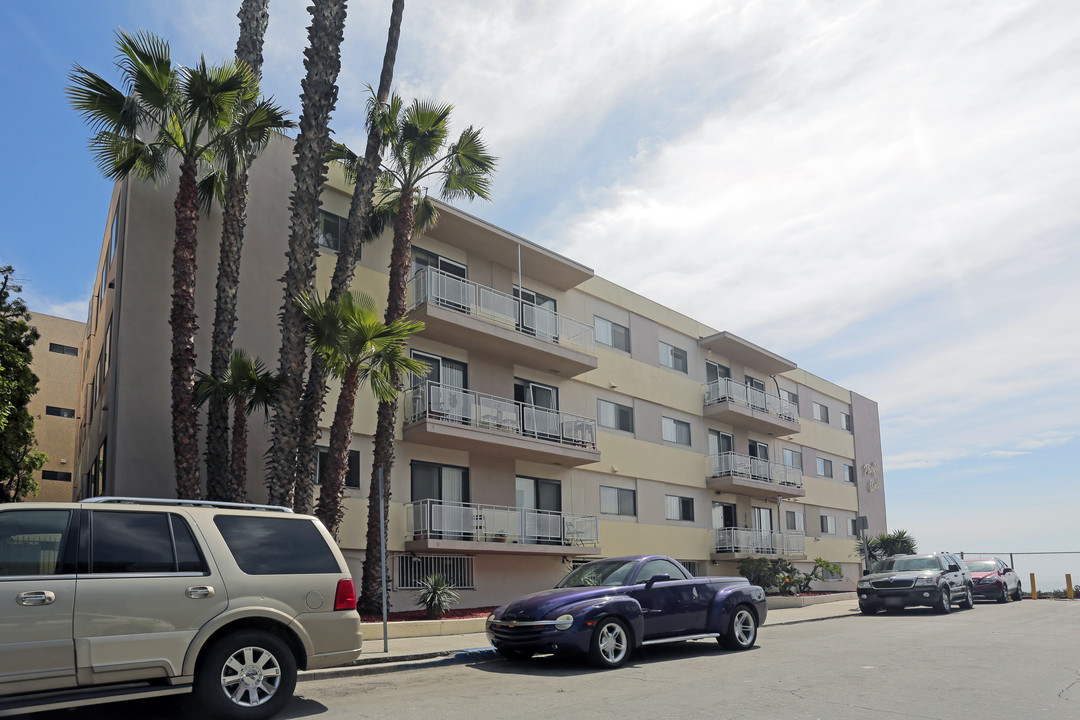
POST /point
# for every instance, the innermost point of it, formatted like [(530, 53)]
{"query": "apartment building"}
[(55, 405), (562, 418)]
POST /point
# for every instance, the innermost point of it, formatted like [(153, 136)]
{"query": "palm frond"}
[(211, 187), (148, 71), (350, 161), (101, 105), (469, 167)]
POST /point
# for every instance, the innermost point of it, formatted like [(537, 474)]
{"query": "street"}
[(996, 661)]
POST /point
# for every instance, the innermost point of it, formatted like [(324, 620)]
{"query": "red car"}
[(994, 580)]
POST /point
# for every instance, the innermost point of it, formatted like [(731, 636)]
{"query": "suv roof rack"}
[(187, 503)]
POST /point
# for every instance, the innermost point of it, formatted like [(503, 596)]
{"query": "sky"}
[(885, 193)]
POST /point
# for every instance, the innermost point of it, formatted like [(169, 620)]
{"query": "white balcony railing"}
[(499, 308), (732, 464), (436, 401), (441, 520), (726, 389), (758, 542)]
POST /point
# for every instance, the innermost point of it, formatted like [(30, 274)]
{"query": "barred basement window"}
[(690, 565), (456, 569)]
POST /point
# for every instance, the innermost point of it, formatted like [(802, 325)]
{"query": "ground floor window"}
[(412, 569)]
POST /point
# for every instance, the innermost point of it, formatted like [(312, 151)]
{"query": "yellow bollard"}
[(1069, 586), (1034, 593)]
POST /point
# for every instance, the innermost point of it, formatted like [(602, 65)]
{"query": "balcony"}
[(451, 417), (467, 527), (464, 314), (744, 475), (737, 543), (737, 404)]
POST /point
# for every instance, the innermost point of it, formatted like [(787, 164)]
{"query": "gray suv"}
[(118, 598), (937, 580)]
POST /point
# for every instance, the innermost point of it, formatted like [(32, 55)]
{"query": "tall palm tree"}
[(248, 386), (165, 110), (357, 231), (319, 96), (416, 153), (357, 347), (253, 17)]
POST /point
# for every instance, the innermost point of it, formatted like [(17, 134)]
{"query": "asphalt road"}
[(1020, 660)]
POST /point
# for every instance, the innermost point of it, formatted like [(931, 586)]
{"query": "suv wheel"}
[(246, 675), (944, 603), (969, 599)]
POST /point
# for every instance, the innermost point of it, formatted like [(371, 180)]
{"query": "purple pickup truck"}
[(608, 608)]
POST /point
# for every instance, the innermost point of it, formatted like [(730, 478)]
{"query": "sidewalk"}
[(413, 653)]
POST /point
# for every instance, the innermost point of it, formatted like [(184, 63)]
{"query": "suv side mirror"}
[(655, 579), (865, 573)]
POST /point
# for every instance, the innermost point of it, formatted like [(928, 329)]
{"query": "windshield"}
[(601, 572), (902, 564), (981, 565)]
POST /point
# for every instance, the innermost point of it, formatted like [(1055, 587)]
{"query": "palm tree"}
[(357, 347), (248, 386), (416, 153), (884, 545), (319, 96), (358, 230), (167, 110), (253, 17)]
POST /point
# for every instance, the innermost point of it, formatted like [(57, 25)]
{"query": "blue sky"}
[(883, 192)]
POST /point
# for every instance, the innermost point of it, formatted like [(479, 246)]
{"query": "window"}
[(352, 475), (790, 397), (849, 473), (331, 230), (821, 413), (676, 431), (672, 357), (55, 475), (59, 411), (828, 525), (439, 482), (537, 313), (135, 542), (64, 349), (614, 415), (679, 508), (845, 421), (613, 334), (690, 565), (715, 371), (276, 546), (617, 501), (792, 458), (824, 467), (853, 527), (413, 569), (32, 542), (659, 567), (795, 521)]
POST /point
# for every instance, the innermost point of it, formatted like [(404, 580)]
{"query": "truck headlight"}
[(563, 622)]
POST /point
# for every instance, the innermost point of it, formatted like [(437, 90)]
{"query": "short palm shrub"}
[(436, 596)]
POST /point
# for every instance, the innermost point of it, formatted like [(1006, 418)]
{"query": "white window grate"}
[(457, 569)]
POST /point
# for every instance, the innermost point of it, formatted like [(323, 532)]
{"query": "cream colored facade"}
[(55, 405), (504, 457)]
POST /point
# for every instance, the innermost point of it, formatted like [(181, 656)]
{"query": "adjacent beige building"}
[(55, 406), (563, 418)]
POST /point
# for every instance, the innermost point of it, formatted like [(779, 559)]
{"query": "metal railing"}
[(726, 389), (759, 542), (436, 401), (413, 569), (442, 520), (732, 464), (498, 308)]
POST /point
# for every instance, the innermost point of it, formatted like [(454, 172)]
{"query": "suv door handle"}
[(200, 592), (36, 597)]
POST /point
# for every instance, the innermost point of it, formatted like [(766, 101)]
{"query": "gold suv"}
[(118, 598)]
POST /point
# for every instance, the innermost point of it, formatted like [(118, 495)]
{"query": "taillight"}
[(345, 599)]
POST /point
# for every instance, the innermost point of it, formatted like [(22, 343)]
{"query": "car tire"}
[(610, 644), (944, 603), (742, 633), (1005, 596), (513, 654), (968, 601), (867, 609), (1019, 593), (246, 675)]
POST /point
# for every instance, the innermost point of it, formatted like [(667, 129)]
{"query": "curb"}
[(416, 661)]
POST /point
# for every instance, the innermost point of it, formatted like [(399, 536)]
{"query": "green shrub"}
[(436, 595)]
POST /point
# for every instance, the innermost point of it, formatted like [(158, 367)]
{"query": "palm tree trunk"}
[(319, 96), (236, 490), (383, 454), (182, 322), (254, 16), (363, 193), (331, 496)]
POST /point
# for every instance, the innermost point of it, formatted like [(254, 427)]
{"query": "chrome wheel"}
[(610, 644), (969, 599), (743, 631), (944, 604), (250, 676)]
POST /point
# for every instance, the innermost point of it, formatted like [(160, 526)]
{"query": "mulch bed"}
[(455, 614)]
